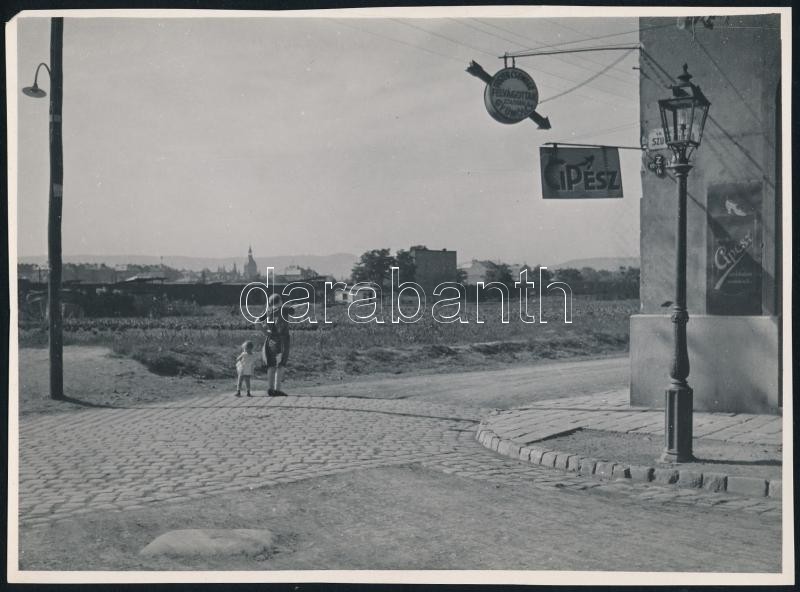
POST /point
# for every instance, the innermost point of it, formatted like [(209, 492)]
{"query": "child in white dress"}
[(245, 365)]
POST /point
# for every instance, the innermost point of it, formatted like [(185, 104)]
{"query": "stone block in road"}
[(665, 476), (549, 459), (715, 482), (537, 454), (574, 463), (525, 453), (775, 486), (692, 479), (620, 472), (640, 473), (508, 448), (604, 469), (211, 543), (587, 466), (749, 486), (562, 460)]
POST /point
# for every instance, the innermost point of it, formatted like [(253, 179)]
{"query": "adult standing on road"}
[(277, 343)]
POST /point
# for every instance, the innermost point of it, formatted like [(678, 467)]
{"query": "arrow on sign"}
[(477, 70)]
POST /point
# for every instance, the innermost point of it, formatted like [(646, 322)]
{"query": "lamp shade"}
[(34, 91)]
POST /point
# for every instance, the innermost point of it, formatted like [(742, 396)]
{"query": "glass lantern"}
[(683, 116)]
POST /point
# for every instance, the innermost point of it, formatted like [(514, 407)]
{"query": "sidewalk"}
[(531, 433)]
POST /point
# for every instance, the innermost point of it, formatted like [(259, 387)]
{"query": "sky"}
[(200, 137)]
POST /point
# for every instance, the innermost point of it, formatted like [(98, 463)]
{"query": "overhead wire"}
[(539, 45), (429, 51), (547, 53), (435, 34), (445, 37), (728, 80), (656, 66), (596, 37), (382, 36), (588, 80), (466, 23), (609, 130)]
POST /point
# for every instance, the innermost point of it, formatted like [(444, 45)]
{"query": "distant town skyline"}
[(319, 136)]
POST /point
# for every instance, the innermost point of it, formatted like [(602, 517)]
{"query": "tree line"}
[(374, 266)]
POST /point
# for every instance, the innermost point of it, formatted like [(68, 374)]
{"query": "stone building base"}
[(734, 362)]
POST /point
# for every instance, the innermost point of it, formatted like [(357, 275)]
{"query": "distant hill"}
[(338, 265), (609, 263)]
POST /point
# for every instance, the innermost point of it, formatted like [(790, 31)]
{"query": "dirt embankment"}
[(95, 376)]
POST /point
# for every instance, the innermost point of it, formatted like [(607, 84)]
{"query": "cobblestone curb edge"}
[(610, 470)]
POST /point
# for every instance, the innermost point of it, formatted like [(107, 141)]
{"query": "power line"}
[(539, 45), (536, 53), (573, 29), (433, 33), (599, 132), (658, 69), (588, 80), (466, 23), (728, 80), (596, 37), (418, 47), (593, 145), (744, 152), (382, 36)]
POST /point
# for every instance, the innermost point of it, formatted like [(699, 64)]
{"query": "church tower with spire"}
[(250, 267)]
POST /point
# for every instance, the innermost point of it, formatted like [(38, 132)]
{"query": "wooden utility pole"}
[(54, 222)]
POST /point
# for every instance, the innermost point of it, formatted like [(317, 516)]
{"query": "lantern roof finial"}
[(685, 77)]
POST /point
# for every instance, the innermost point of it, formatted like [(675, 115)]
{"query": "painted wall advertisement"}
[(580, 173), (734, 249)]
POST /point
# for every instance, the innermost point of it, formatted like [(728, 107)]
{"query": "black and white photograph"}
[(474, 295)]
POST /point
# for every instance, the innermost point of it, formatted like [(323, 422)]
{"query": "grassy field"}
[(205, 345)]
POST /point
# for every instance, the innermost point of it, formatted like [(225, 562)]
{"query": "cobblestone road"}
[(118, 459)]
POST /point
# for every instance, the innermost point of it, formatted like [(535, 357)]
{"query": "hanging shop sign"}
[(580, 173), (734, 272), (511, 96)]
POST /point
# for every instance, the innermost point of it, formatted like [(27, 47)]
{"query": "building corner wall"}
[(734, 354)]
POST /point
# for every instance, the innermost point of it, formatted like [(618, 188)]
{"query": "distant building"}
[(475, 271), (352, 294), (32, 272), (292, 273), (433, 267), (250, 266), (151, 276)]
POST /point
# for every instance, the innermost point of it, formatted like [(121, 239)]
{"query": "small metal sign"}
[(656, 140), (580, 173), (511, 96)]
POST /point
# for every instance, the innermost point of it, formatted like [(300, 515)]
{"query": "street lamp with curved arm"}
[(55, 322), (35, 91)]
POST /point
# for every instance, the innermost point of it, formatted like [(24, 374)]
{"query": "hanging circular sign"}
[(511, 96)]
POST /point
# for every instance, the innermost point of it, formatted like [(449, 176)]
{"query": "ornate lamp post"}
[(683, 117), (56, 188)]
